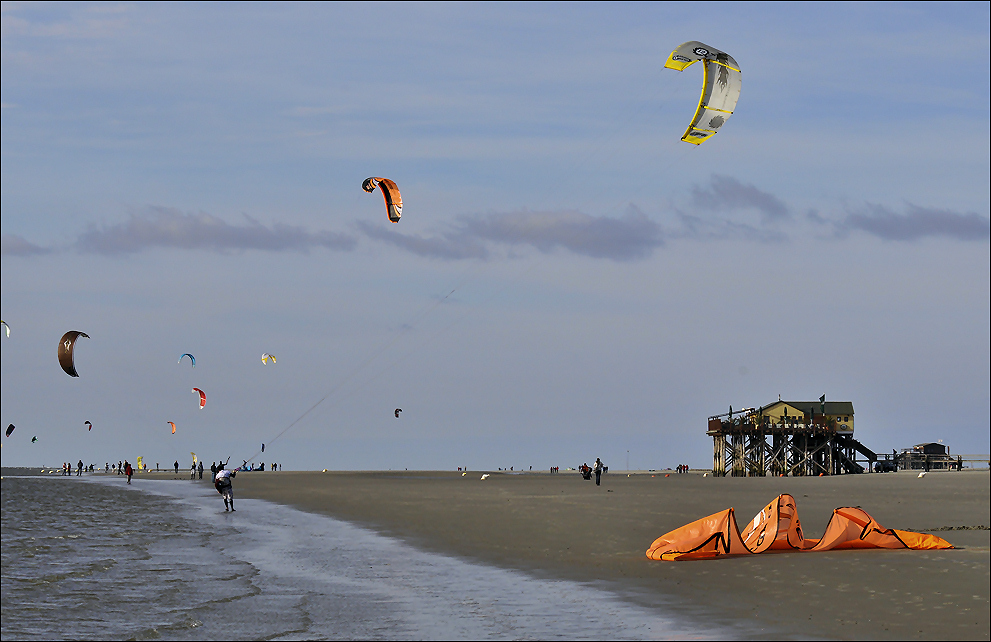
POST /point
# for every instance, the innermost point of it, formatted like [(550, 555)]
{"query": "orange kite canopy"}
[(777, 528)]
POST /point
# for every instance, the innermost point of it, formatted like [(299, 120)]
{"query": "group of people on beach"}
[(681, 468), (248, 467), (80, 467), (596, 469)]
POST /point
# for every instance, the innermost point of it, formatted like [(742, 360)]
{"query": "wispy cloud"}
[(449, 245), (701, 228), (39, 21), (14, 245), (168, 227), (916, 223), (726, 193), (632, 236)]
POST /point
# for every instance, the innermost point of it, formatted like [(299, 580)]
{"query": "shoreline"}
[(561, 527)]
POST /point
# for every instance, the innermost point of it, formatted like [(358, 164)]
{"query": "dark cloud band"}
[(167, 227), (917, 223), (630, 237), (727, 193), (14, 245)]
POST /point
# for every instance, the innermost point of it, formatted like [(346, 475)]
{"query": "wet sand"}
[(560, 526)]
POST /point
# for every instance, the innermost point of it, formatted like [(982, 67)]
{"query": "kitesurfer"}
[(597, 469), (222, 482)]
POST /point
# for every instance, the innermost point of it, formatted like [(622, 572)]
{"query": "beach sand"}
[(559, 526)]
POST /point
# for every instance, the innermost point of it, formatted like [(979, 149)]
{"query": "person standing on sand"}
[(128, 470), (199, 470), (597, 469), (222, 482), (176, 466), (79, 470)]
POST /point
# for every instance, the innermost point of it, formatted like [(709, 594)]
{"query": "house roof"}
[(832, 407)]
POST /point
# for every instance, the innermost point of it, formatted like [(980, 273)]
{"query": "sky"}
[(568, 281)]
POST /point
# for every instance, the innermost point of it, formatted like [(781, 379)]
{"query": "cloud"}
[(450, 245), (917, 223), (632, 236), (14, 245), (727, 193), (699, 228), (168, 227)]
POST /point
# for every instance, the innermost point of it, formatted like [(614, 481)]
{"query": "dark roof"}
[(832, 407)]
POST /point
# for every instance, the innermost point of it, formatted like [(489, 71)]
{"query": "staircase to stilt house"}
[(845, 442)]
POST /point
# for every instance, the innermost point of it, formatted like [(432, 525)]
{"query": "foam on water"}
[(271, 571)]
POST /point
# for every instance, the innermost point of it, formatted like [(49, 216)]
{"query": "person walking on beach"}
[(176, 466), (222, 482), (597, 469), (128, 470)]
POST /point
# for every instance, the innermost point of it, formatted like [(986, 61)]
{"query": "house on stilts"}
[(797, 438)]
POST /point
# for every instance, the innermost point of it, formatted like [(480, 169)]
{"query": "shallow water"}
[(101, 560)]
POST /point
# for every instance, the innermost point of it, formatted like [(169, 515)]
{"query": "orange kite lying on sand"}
[(776, 528)]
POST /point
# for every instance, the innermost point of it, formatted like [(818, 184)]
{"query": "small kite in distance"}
[(202, 397), (88, 423), (65, 348), (34, 439), (266, 356), (6, 328), (192, 359), (390, 192), (171, 423), (10, 429), (263, 447), (398, 410)]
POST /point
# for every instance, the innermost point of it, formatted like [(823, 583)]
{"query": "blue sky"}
[(569, 279)]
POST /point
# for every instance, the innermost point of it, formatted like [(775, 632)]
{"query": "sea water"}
[(162, 560)]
